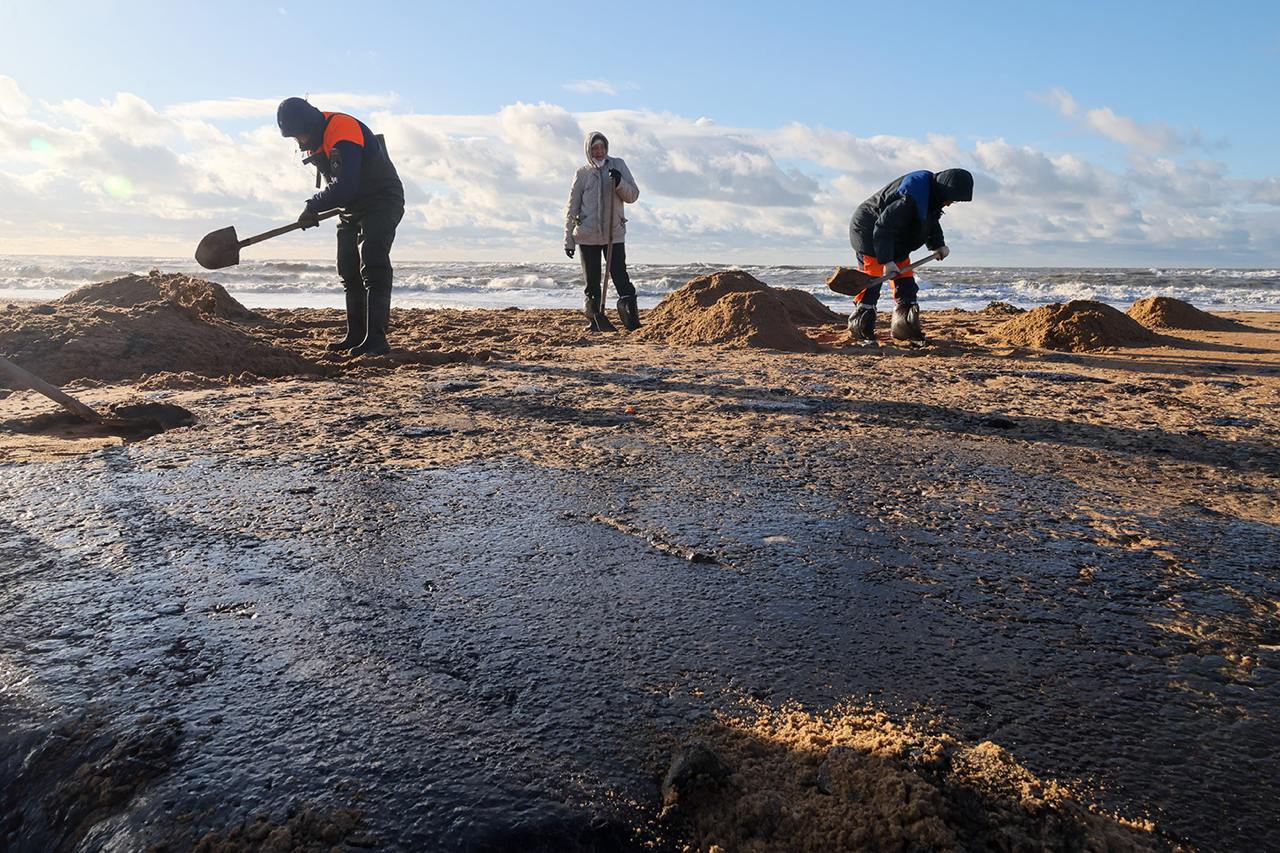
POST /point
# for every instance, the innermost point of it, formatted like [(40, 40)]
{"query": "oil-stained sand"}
[(445, 599)]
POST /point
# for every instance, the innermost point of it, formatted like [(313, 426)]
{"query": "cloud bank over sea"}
[(128, 177)]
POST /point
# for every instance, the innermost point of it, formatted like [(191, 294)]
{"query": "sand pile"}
[(65, 342), (130, 291), (733, 308), (784, 779), (1165, 312), (1074, 326)]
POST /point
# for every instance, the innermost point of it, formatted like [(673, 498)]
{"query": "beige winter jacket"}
[(594, 197)]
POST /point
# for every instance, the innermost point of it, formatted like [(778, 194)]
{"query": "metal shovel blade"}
[(850, 282), (219, 249)]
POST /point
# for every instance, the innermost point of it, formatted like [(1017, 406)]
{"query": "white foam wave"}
[(282, 283)]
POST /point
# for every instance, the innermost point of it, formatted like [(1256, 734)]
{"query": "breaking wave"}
[(289, 283)]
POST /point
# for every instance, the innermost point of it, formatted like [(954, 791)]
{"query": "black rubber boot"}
[(357, 321), (862, 324), (379, 316), (906, 323), (599, 322), (629, 313)]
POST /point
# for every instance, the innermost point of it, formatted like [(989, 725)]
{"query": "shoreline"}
[(301, 284)]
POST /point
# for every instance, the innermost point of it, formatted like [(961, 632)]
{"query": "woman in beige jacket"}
[(595, 223)]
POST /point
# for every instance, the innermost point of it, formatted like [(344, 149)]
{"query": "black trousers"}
[(364, 246), (591, 257)]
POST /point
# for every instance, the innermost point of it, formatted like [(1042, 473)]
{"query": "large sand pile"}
[(65, 342), (733, 308), (205, 297), (1165, 312), (787, 780), (1074, 326)]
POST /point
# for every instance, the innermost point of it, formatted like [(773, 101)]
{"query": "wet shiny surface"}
[(475, 652)]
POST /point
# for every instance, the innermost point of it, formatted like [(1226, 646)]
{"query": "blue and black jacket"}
[(353, 162), (906, 214)]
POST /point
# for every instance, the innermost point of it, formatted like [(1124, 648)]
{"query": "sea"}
[(438, 284)]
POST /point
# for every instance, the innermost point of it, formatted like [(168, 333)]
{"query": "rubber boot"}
[(357, 321), (375, 342), (906, 323), (599, 322), (629, 313), (862, 324)]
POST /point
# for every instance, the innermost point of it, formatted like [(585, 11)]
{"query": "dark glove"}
[(308, 218), (568, 251), (616, 175)]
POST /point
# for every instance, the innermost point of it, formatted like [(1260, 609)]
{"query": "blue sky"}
[(1131, 89)]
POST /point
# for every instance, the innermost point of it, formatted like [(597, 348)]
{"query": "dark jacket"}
[(354, 164), (905, 215)]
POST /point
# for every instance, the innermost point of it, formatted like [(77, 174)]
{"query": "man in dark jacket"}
[(886, 229), (360, 179)]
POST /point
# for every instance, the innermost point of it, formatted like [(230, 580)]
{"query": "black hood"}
[(296, 117), (953, 185)]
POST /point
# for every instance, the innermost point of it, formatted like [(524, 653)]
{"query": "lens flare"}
[(40, 145), (118, 186)]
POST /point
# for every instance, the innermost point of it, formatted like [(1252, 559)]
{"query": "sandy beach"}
[(516, 586)]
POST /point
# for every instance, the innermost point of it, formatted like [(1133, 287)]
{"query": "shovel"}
[(25, 379), (138, 420), (608, 252), (221, 248), (850, 282)]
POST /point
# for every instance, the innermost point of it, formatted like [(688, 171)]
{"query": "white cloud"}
[(1266, 191), (597, 87), (13, 102), (1149, 138), (494, 185), (1061, 100)]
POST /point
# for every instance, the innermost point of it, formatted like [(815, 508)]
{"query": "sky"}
[(1100, 134)]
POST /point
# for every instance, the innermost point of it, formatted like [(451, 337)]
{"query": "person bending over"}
[(886, 229), (360, 180)]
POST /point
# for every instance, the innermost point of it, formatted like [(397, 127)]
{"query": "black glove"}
[(308, 218), (568, 251), (616, 175)]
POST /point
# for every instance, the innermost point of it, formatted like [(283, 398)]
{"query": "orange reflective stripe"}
[(871, 266), (341, 128)]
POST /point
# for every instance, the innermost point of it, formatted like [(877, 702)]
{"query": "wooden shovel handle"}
[(283, 229), (28, 379)]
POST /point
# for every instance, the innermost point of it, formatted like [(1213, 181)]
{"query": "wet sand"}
[(473, 596)]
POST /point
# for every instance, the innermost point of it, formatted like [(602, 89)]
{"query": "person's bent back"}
[(886, 228), (359, 179)]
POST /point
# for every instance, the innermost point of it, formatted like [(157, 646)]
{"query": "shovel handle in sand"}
[(221, 248), (26, 379), (608, 251), (850, 282)]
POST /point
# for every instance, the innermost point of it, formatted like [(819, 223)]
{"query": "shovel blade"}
[(219, 249), (850, 282)]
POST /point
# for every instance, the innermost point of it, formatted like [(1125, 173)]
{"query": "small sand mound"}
[(736, 309), (87, 341), (1165, 312), (806, 309), (130, 291), (788, 780), (1075, 326)]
